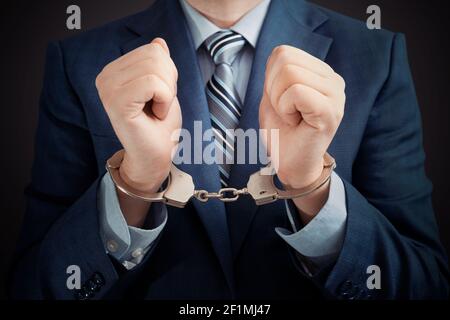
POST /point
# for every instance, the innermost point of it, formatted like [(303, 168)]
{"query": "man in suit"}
[(280, 64)]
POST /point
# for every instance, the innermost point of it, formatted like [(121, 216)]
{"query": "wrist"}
[(140, 180), (299, 177), (309, 206), (135, 211)]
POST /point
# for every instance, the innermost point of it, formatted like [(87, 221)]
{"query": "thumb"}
[(162, 43)]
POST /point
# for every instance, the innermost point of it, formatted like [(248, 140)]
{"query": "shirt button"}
[(128, 265), (137, 253), (112, 246)]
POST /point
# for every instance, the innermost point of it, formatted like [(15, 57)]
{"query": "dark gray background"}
[(27, 27)]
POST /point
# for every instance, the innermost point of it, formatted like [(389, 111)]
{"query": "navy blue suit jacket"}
[(232, 251)]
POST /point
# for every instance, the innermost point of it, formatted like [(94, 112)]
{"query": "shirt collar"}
[(248, 26)]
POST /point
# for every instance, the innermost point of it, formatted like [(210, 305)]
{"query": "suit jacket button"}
[(345, 295), (98, 279), (92, 286), (82, 294), (355, 293), (362, 294), (346, 286)]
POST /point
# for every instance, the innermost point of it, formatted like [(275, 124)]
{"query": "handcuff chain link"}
[(204, 196), (180, 187)]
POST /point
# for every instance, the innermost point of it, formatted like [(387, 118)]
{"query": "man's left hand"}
[(304, 98)]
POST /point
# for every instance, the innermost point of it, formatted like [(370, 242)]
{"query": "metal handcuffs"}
[(180, 186)]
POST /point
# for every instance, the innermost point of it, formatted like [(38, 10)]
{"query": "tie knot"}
[(223, 46)]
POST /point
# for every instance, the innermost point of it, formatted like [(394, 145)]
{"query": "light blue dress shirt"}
[(317, 243)]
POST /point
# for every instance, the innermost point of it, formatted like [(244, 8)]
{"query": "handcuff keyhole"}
[(262, 192)]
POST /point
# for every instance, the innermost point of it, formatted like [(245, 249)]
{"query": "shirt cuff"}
[(320, 241), (126, 244)]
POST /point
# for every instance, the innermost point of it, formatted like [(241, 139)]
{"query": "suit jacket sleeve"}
[(61, 226), (390, 222)]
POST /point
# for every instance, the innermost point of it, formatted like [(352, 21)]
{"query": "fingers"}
[(302, 87), (173, 117), (146, 73), (300, 101), (140, 91), (145, 67), (268, 120), (284, 55), (290, 74), (162, 43), (157, 50)]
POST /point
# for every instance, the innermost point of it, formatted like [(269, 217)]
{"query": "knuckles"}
[(289, 71), (339, 79), (153, 49), (99, 80), (281, 51), (148, 66), (152, 79), (282, 54), (298, 90)]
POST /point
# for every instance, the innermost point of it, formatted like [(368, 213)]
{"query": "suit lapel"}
[(287, 23), (166, 20)]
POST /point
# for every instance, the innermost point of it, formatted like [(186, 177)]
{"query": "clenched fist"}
[(139, 94), (303, 98)]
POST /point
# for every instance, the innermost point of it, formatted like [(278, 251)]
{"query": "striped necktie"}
[(223, 99)]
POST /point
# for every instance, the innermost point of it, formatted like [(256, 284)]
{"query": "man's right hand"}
[(139, 94)]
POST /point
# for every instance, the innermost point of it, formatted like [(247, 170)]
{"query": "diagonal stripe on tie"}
[(224, 102)]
